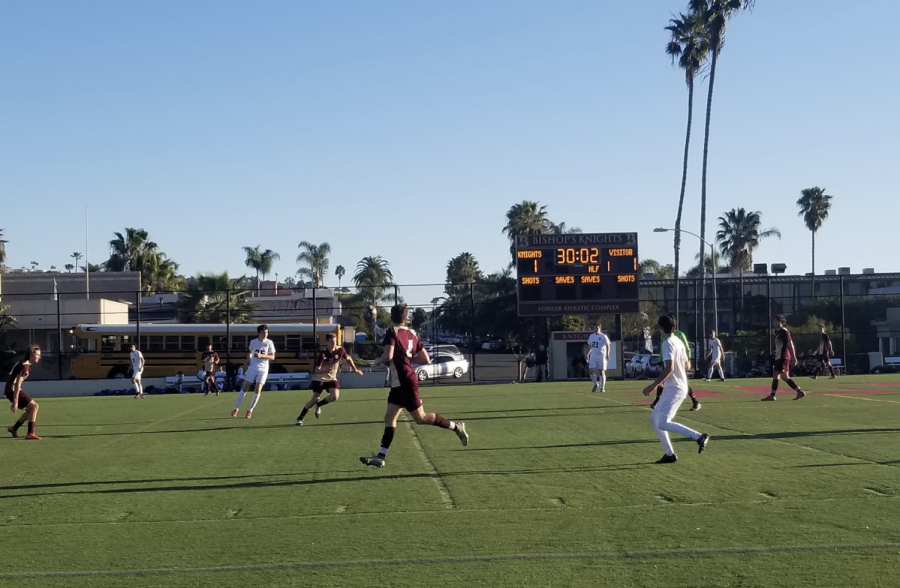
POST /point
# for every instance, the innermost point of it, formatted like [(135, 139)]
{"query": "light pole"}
[(712, 248)]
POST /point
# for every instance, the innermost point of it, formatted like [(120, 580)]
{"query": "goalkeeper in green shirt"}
[(659, 389)]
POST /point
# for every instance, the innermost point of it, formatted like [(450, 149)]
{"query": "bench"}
[(892, 361), (282, 381), (838, 364)]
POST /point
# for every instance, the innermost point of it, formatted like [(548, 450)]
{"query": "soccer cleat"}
[(594, 389), (706, 379), (602, 391), (800, 394), (249, 414), (721, 379), (696, 406), (298, 422), (769, 398), (32, 436), (13, 431), (461, 433), (374, 461), (234, 412), (667, 459), (318, 411), (814, 377), (832, 377), (702, 442)]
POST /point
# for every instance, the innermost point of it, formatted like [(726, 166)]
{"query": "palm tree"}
[(160, 274), (525, 218), (738, 236), (316, 257), (372, 279), (713, 14), (261, 262), (77, 257), (562, 229), (462, 272), (651, 266), (3, 243), (214, 298), (127, 250), (814, 205), (340, 271), (5, 319), (69, 267), (689, 46)]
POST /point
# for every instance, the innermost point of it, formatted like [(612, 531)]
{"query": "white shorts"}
[(256, 376), (716, 359), (137, 375), (597, 365)]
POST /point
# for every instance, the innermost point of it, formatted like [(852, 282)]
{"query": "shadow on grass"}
[(857, 463)]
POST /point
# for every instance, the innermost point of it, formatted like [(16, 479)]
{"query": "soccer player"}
[(674, 380), (826, 350), (262, 351), (137, 369), (18, 397), (716, 353), (210, 361), (659, 389), (401, 348), (326, 376), (785, 357), (598, 357)]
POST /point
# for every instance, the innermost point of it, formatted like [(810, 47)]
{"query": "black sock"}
[(774, 387), (18, 425), (322, 403), (387, 438), (659, 391), (303, 413), (691, 394), (792, 384)]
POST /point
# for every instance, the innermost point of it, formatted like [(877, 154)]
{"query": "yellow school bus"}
[(102, 351)]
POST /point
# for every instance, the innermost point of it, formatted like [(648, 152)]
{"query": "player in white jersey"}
[(262, 351), (716, 353), (137, 369), (675, 390), (598, 358)]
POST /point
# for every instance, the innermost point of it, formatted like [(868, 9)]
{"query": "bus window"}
[(156, 343), (187, 343), (278, 340), (109, 343), (308, 344), (239, 343), (127, 340), (292, 343), (219, 343), (87, 345), (171, 343), (143, 344), (202, 342)]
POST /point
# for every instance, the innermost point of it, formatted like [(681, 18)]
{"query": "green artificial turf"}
[(556, 488)]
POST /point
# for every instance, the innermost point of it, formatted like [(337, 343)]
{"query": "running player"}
[(674, 380), (326, 376), (401, 348), (262, 351), (210, 361), (18, 397), (659, 389), (598, 357), (716, 353), (137, 369), (785, 357), (826, 350)]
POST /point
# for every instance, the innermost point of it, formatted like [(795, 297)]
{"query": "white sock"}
[(254, 401), (239, 400), (603, 381), (710, 374), (721, 372), (383, 451), (452, 426)]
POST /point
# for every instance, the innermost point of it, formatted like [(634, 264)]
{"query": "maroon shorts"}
[(783, 365), (405, 396), (24, 399), (824, 357), (318, 387)]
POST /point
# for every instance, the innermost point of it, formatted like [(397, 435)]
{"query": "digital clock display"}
[(577, 273)]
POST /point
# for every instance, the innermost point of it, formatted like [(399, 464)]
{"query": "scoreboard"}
[(577, 274)]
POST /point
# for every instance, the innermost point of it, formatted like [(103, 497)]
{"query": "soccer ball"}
[(370, 312)]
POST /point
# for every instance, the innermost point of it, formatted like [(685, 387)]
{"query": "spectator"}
[(179, 382), (540, 363)]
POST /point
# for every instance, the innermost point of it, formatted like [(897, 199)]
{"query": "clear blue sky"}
[(219, 124)]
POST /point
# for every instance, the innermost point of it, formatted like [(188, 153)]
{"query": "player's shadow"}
[(205, 430), (856, 463), (544, 409)]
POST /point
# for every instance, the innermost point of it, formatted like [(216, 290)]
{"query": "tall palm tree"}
[(372, 278), (525, 218), (261, 262), (316, 257), (77, 257), (688, 46), (814, 205), (3, 243), (714, 14), (739, 235), (340, 271), (213, 298)]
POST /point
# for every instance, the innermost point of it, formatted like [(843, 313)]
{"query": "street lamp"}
[(712, 248)]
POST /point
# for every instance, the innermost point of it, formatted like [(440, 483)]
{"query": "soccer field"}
[(556, 488)]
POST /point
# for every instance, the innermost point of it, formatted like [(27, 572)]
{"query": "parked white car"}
[(442, 366), (444, 349)]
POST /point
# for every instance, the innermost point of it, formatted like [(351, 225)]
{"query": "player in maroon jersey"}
[(401, 348), (326, 376), (17, 396), (785, 357), (826, 350)]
